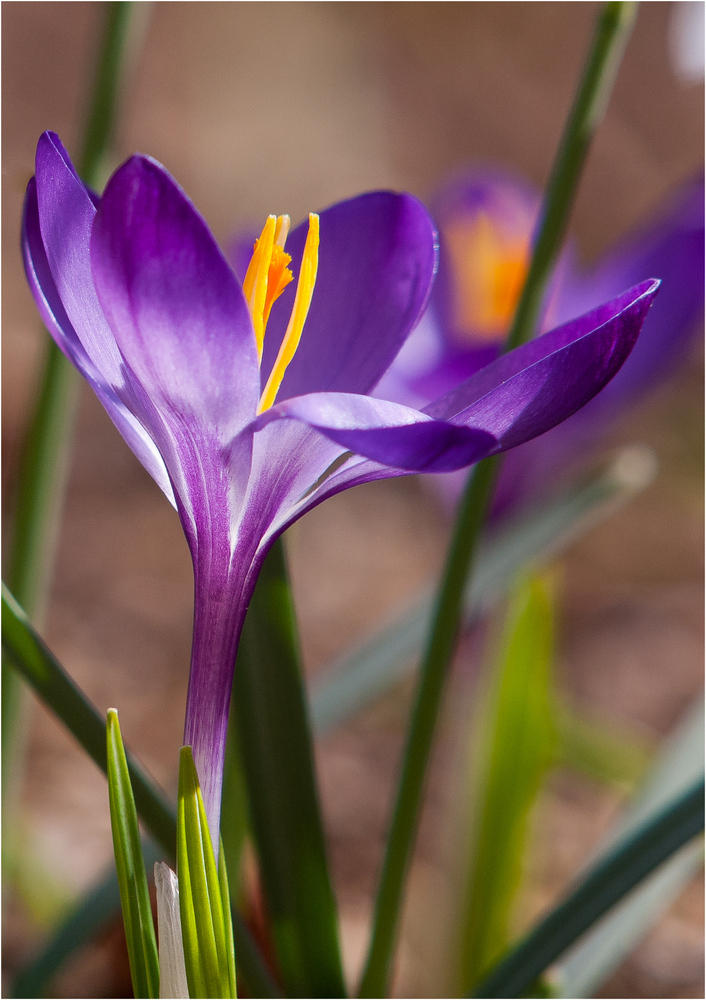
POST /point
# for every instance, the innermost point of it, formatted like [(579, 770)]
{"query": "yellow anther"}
[(255, 283), (267, 275), (302, 301), (283, 222), (279, 276), (490, 268)]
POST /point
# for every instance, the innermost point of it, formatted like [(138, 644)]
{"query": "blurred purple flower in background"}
[(486, 222), (244, 432)]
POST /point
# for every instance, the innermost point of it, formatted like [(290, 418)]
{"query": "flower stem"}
[(271, 714), (45, 462), (25, 650), (612, 32), (610, 37)]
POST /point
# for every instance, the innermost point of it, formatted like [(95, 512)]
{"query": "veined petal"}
[(175, 307), (522, 394), (57, 322), (66, 212), (376, 265), (387, 432), (528, 391)]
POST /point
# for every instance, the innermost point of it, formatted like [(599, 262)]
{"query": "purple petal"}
[(221, 596), (175, 307), (57, 322), (65, 216), (671, 247), (63, 225), (385, 432), (528, 391), (376, 264)]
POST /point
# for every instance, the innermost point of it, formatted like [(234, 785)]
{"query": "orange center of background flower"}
[(489, 269)]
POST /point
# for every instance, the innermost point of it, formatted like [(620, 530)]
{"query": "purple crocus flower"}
[(245, 429), (486, 222)]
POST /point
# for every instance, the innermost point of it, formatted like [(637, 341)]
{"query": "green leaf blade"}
[(42, 670), (276, 749), (609, 880), (583, 969), (361, 675), (206, 948), (519, 738), (130, 865), (224, 886)]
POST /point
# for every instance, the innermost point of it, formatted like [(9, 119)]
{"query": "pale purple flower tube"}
[(137, 294)]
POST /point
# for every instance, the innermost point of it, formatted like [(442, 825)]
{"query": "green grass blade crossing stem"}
[(612, 31)]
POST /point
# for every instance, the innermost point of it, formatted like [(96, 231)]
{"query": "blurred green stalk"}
[(514, 745), (609, 880), (44, 468), (612, 31)]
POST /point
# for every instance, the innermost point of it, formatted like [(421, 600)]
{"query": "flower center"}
[(489, 270), (267, 276)]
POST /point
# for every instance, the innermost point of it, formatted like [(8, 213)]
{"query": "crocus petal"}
[(528, 391), (175, 307), (66, 213), (57, 322), (376, 264), (386, 432), (671, 246)]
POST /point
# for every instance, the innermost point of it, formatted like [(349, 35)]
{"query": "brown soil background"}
[(259, 107)]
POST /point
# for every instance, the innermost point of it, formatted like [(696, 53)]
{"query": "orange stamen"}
[(300, 310)]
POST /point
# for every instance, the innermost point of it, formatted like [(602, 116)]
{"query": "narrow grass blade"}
[(130, 866), (86, 919), (224, 886), (270, 703), (517, 741), (612, 31), (203, 915), (42, 670), (610, 879), (585, 967), (31, 657), (43, 472), (360, 676)]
